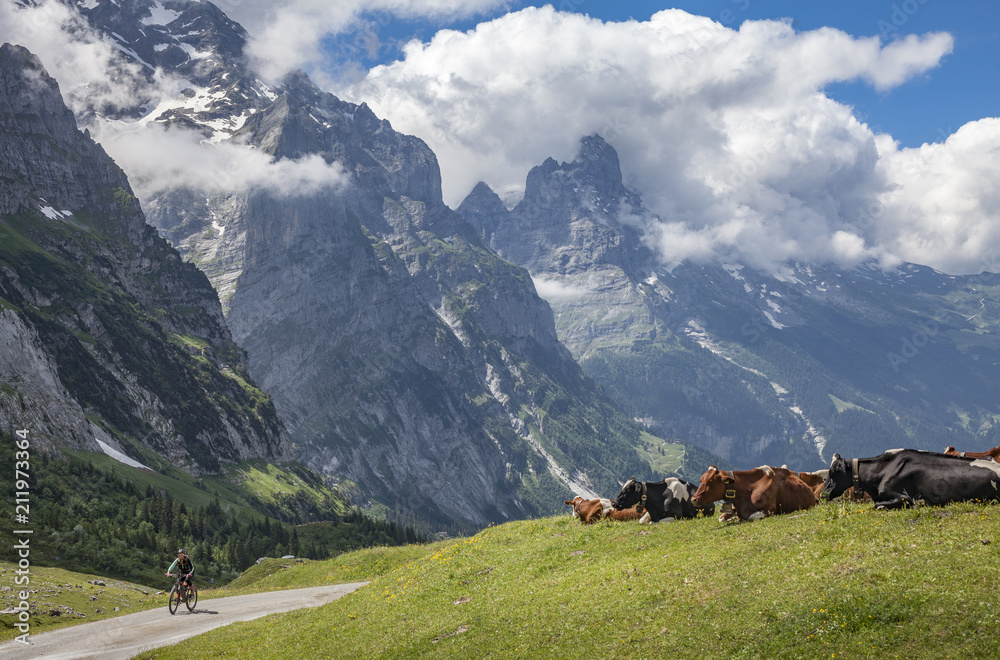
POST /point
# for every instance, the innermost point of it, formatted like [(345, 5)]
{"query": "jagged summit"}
[(484, 210), (33, 110), (190, 57), (570, 218), (596, 171)]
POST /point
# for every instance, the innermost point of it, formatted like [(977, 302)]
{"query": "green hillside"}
[(91, 514), (840, 580)]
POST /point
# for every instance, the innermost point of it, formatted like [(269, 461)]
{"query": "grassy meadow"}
[(61, 598), (838, 581)]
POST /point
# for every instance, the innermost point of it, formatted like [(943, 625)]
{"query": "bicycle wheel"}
[(175, 600), (192, 598)]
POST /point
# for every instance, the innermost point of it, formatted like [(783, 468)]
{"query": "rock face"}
[(786, 367), (406, 358), (106, 332), (571, 232)]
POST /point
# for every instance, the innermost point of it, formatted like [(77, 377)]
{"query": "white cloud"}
[(944, 206), (727, 133), (158, 159), (554, 290), (288, 34)]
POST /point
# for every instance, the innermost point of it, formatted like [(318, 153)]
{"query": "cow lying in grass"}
[(662, 500), (817, 481), (624, 515), (899, 477), (752, 494), (992, 453), (591, 511)]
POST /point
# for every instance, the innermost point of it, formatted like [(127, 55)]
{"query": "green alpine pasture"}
[(58, 598), (838, 581)]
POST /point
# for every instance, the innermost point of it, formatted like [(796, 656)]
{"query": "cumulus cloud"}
[(288, 34), (158, 159), (944, 206), (727, 133)]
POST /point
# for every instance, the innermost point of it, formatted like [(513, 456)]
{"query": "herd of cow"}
[(897, 478)]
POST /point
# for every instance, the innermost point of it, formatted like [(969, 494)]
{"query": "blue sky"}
[(965, 87)]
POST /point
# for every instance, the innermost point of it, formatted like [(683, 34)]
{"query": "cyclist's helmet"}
[(181, 551)]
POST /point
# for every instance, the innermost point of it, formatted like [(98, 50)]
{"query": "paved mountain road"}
[(123, 637)]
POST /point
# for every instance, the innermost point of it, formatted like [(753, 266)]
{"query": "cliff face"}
[(405, 356), (106, 332), (571, 231)]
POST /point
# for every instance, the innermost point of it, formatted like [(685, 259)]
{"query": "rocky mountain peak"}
[(484, 210), (591, 184), (178, 44), (599, 166), (42, 101), (176, 35), (571, 216)]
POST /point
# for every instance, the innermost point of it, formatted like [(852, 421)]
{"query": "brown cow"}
[(993, 453), (589, 511), (573, 502), (622, 515), (762, 491), (816, 480)]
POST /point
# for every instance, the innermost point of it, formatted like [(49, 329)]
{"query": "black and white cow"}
[(900, 476), (670, 498)]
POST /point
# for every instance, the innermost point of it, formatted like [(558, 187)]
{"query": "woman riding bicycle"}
[(184, 566)]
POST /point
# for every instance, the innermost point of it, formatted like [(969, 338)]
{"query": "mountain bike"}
[(181, 593)]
